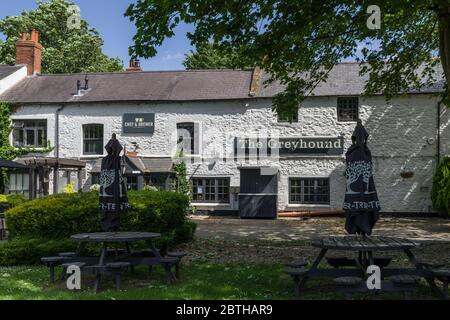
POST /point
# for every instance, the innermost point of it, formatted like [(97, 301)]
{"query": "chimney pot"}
[(34, 35), (29, 52), (135, 66)]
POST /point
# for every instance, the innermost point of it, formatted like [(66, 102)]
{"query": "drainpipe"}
[(56, 169), (57, 130), (438, 140)]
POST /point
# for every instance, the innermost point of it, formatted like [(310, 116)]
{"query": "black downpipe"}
[(56, 169), (438, 140), (57, 130)]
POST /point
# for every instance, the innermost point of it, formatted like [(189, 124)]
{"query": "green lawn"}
[(198, 281)]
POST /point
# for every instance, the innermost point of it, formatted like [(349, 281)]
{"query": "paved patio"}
[(285, 229)]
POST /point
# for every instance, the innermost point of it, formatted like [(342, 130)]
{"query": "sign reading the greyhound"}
[(290, 146), (139, 123)]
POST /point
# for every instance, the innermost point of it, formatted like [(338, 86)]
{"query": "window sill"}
[(211, 204), (309, 205), (31, 147), (91, 156)]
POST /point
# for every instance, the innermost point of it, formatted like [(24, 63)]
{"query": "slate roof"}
[(7, 70), (133, 86), (143, 164), (171, 86), (344, 79)]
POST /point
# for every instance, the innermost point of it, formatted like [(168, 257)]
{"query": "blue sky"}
[(116, 30)]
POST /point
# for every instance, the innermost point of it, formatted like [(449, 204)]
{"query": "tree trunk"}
[(443, 12)]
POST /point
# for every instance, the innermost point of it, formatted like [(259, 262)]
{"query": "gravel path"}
[(289, 229), (234, 240)]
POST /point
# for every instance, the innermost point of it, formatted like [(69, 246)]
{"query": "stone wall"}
[(403, 136)]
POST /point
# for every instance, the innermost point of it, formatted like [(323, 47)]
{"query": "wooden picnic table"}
[(106, 238), (364, 248), (115, 236)]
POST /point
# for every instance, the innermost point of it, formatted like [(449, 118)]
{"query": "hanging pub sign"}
[(138, 123), (289, 146)]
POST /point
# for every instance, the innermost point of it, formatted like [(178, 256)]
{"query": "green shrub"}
[(70, 188), (59, 216), (29, 251), (440, 194), (50, 221), (54, 217), (12, 199)]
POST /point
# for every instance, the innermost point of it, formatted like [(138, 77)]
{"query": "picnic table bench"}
[(114, 260), (363, 248)]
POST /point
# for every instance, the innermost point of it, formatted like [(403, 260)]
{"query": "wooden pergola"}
[(41, 167)]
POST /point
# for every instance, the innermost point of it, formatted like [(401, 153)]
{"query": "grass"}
[(198, 281)]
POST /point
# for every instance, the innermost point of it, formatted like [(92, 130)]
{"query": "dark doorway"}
[(258, 193)]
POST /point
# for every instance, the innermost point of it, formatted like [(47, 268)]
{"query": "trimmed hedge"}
[(440, 194), (55, 218), (30, 251), (12, 200)]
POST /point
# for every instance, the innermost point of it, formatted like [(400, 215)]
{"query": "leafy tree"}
[(65, 50), (7, 151), (299, 42), (209, 55), (180, 169)]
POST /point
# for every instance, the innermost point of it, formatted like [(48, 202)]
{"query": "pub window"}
[(19, 183), (132, 182), (283, 118), (158, 180), (309, 191), (348, 108), (186, 137), (211, 190), (93, 139), (95, 178), (30, 133)]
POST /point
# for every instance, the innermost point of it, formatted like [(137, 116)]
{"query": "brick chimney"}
[(29, 52), (135, 66)]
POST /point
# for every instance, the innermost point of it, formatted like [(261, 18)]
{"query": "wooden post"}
[(80, 180), (31, 184), (35, 183), (55, 179)]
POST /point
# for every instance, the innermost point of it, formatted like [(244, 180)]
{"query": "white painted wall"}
[(12, 79), (403, 138)]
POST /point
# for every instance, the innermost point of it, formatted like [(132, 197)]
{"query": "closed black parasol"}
[(361, 203), (113, 192)]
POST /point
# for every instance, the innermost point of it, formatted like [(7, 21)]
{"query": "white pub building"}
[(241, 157)]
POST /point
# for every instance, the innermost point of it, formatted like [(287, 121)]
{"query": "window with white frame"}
[(93, 139), (29, 133), (309, 190), (19, 183), (211, 190), (348, 108)]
